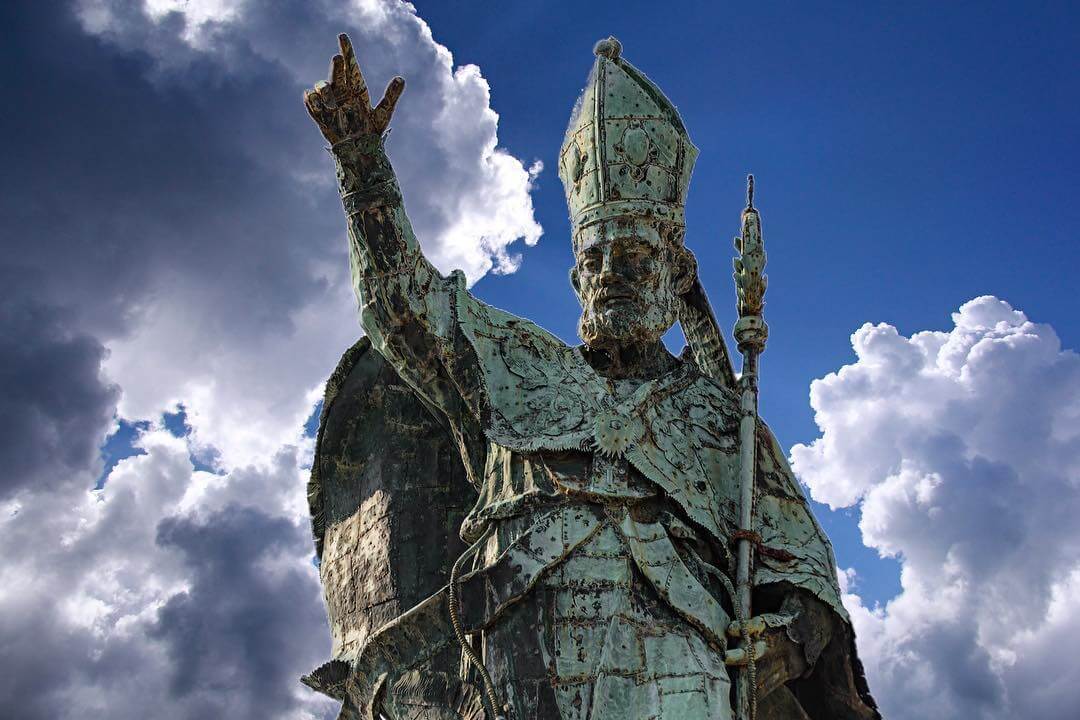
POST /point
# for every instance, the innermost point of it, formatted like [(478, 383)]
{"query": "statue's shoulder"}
[(540, 391), (485, 324), (712, 390), (696, 399)]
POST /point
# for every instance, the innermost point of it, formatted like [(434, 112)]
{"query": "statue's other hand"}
[(769, 625), (341, 105), (778, 657), (737, 656), (758, 624)]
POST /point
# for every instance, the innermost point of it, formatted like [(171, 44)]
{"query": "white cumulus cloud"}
[(962, 450), (198, 338), (192, 252), (129, 602)]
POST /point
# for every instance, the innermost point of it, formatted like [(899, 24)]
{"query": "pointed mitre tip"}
[(609, 47)]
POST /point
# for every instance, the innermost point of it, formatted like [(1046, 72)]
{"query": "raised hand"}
[(341, 105)]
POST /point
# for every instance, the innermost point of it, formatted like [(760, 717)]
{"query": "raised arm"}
[(404, 301)]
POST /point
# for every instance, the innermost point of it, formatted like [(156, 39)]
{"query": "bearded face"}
[(628, 275)]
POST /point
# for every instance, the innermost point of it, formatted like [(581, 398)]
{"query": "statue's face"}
[(628, 275)]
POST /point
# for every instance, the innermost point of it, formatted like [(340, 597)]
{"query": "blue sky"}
[(176, 291), (908, 158)]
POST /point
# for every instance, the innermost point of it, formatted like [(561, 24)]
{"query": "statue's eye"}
[(638, 253)]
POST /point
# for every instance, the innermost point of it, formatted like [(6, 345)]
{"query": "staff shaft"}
[(747, 463), (746, 706), (751, 333)]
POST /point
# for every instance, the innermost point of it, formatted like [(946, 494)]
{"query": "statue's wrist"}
[(359, 143), (364, 173)]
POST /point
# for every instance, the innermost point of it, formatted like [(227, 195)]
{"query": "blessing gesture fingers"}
[(341, 104)]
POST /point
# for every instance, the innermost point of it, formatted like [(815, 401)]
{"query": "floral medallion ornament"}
[(616, 433), (636, 149)]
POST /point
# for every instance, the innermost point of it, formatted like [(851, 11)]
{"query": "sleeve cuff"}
[(365, 177)]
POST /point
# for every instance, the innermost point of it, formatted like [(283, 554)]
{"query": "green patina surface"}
[(603, 479)]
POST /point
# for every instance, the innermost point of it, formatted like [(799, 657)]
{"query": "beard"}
[(627, 322)]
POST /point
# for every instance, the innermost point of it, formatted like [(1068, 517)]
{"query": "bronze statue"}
[(614, 501)]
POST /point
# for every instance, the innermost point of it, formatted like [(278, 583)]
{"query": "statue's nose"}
[(608, 275), (608, 271)]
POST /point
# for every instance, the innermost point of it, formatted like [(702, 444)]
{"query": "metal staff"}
[(751, 333)]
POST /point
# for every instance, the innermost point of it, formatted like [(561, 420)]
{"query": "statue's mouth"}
[(615, 296)]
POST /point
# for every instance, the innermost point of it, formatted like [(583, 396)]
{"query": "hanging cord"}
[(491, 701), (744, 631)]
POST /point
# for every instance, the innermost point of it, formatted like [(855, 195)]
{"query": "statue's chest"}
[(675, 434), (605, 473)]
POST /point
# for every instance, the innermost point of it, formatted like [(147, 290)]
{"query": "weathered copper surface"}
[(387, 495), (604, 478)]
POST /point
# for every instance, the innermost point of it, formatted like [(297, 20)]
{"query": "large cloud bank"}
[(962, 449), (172, 235)]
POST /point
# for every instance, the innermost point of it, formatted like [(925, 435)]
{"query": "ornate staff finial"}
[(750, 282)]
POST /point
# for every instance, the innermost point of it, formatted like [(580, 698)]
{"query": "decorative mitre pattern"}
[(626, 150)]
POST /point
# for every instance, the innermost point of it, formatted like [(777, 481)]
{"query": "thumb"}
[(385, 109)]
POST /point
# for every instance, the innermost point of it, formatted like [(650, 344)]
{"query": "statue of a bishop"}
[(595, 489)]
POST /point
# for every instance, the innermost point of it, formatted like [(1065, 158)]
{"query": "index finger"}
[(352, 70)]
